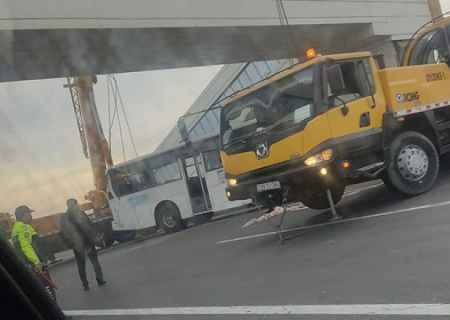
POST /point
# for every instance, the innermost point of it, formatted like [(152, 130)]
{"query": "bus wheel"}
[(124, 236), (169, 218), (413, 164), (203, 218), (319, 201)]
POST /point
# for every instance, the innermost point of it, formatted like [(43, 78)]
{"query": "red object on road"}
[(50, 282)]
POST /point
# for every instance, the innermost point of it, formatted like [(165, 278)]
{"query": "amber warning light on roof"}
[(311, 53)]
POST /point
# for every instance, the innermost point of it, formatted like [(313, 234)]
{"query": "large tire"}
[(319, 201), (169, 219), (124, 236), (203, 218), (104, 229), (107, 240), (413, 164), (147, 231)]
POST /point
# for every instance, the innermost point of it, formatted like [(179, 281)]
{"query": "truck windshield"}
[(279, 105)]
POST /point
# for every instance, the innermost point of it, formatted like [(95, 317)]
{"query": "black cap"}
[(20, 211), (71, 202)]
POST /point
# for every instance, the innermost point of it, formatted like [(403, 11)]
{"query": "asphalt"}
[(386, 250)]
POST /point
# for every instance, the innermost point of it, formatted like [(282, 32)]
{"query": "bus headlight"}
[(231, 182), (325, 155)]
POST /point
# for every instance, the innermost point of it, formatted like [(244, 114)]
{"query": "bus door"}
[(196, 184), (215, 179)]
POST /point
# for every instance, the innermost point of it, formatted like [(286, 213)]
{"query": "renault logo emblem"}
[(262, 151)]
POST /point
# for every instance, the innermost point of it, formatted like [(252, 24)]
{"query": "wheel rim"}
[(169, 219), (412, 162)]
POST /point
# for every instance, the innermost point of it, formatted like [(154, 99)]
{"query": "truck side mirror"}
[(336, 79)]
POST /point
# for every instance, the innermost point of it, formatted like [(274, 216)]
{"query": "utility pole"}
[(435, 8)]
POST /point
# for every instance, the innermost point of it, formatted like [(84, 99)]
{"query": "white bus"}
[(167, 189)]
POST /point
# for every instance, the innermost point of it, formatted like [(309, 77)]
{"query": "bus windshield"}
[(279, 105)]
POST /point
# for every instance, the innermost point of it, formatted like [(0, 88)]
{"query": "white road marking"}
[(360, 190), (361, 309), (68, 257), (439, 204)]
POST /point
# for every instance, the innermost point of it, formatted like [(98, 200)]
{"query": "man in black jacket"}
[(79, 233)]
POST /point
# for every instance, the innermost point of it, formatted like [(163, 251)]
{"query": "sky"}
[(42, 163), (445, 5), (41, 158)]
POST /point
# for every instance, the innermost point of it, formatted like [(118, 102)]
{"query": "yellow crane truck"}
[(337, 120)]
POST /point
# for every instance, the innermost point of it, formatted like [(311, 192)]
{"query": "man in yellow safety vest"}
[(25, 239)]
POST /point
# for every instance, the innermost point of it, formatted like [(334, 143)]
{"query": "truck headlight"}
[(231, 182), (323, 156)]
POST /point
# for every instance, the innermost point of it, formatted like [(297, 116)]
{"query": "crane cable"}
[(116, 112), (291, 48), (113, 89), (125, 115), (109, 113)]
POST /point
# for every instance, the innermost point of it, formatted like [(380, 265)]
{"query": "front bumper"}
[(294, 178)]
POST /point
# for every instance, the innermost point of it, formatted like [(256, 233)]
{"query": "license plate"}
[(268, 186)]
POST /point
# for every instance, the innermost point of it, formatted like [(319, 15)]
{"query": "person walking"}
[(27, 242), (79, 233)]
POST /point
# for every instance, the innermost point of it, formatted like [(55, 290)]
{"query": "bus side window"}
[(113, 176), (212, 160), (138, 182), (124, 187), (166, 174)]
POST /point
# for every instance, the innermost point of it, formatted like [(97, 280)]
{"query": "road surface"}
[(389, 258)]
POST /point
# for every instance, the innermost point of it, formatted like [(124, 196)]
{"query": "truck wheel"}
[(413, 164), (319, 201), (202, 218), (124, 236), (169, 218)]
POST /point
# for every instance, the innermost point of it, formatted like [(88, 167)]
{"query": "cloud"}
[(445, 5)]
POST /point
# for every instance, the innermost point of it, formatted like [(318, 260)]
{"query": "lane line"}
[(439, 204), (361, 190), (361, 309)]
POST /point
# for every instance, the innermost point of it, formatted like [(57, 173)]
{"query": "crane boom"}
[(96, 149), (74, 95), (89, 126)]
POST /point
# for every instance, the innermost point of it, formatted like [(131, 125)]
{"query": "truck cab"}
[(336, 120), (281, 133)]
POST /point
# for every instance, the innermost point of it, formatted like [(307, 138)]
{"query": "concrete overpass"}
[(58, 38)]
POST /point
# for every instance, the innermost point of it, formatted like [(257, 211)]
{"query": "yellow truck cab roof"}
[(296, 68)]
